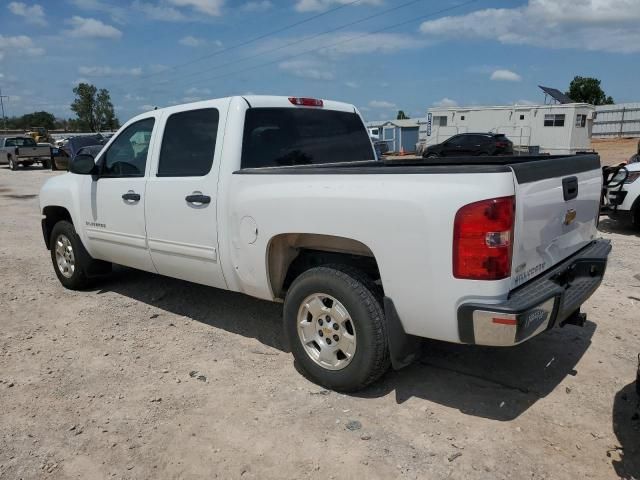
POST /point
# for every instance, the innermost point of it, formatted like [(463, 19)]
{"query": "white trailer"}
[(561, 129)]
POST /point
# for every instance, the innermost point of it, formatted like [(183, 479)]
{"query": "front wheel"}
[(336, 328), (68, 256)]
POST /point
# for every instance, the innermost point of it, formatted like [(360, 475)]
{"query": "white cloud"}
[(136, 98), (446, 103), (257, 6), (357, 43), (19, 44), (158, 68), (602, 25), (117, 14), (208, 7), (197, 91), (309, 69), (319, 5), (159, 12), (32, 14), (352, 84), (92, 28), (505, 75), (104, 71), (381, 104), (191, 41), (146, 107), (523, 101)]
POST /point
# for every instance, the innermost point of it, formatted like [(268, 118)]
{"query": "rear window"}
[(275, 137), (20, 142)]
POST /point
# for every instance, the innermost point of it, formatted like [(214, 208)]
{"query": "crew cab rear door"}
[(180, 206)]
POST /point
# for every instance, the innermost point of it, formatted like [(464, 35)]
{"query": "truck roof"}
[(266, 101)]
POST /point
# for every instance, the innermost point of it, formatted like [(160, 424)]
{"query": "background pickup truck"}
[(281, 198), (23, 150)]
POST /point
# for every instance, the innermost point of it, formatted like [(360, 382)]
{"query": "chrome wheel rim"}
[(65, 257), (326, 331)]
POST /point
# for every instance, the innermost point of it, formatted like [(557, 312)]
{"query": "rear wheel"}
[(46, 164), (431, 155), (336, 328), (12, 164)]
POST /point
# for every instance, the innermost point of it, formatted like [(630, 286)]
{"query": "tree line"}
[(92, 106)]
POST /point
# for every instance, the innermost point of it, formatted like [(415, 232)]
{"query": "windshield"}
[(20, 142)]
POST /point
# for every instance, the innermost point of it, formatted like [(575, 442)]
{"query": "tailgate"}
[(557, 204), (34, 151)]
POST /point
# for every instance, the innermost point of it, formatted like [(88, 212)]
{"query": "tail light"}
[(501, 144), (483, 239), (306, 102)]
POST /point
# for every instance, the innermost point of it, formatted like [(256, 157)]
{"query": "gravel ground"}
[(143, 376)]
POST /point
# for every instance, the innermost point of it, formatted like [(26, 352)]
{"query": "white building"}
[(619, 120), (558, 129)]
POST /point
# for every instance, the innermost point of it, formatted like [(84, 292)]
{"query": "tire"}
[(77, 260), (12, 164), (635, 215), (46, 164), (359, 352), (431, 155)]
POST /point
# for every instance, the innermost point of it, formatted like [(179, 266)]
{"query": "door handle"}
[(198, 198), (131, 196)]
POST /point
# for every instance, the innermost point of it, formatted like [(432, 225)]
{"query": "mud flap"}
[(403, 348)]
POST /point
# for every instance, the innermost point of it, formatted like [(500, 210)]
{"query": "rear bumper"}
[(542, 303)]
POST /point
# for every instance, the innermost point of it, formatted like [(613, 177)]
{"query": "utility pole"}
[(4, 119)]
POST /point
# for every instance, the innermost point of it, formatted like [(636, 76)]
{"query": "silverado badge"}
[(570, 216)]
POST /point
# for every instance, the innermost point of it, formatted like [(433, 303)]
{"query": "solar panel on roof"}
[(556, 94)]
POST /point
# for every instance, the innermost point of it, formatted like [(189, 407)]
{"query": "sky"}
[(381, 55)]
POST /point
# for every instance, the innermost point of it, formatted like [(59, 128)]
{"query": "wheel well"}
[(53, 214), (291, 254)]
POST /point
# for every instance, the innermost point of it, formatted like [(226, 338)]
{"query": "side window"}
[(455, 141), (189, 143), (127, 155), (551, 120), (473, 140), (581, 120), (10, 142)]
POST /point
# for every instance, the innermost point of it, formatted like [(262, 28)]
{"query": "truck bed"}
[(526, 168)]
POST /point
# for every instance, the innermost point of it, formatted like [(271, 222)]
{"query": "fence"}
[(620, 120)]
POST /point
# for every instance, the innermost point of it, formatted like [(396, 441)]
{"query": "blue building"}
[(400, 135)]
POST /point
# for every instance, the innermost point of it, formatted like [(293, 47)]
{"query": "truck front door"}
[(182, 229), (113, 205)]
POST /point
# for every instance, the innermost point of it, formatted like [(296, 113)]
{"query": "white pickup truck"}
[(621, 200), (281, 198)]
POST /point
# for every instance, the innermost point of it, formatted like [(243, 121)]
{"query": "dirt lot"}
[(615, 150), (148, 377)]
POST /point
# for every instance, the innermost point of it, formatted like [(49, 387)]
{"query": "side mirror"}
[(83, 164)]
